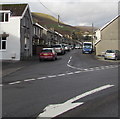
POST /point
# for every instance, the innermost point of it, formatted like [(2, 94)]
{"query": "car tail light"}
[(41, 54)]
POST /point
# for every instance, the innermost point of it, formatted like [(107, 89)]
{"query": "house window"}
[(4, 17), (3, 43)]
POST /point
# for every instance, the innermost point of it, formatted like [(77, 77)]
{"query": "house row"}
[(20, 37), (108, 37)]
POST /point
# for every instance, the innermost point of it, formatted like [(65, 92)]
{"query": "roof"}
[(16, 9), (109, 22)]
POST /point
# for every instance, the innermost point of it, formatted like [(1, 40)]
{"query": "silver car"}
[(112, 54), (59, 48)]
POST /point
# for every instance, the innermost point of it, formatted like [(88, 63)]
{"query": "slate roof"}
[(16, 9)]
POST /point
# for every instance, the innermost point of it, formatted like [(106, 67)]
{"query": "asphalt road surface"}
[(75, 85)]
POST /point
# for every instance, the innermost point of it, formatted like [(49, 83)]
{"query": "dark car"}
[(48, 54)]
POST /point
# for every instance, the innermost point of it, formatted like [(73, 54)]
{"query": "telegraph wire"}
[(58, 16), (48, 9)]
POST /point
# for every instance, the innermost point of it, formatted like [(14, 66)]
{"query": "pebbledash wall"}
[(12, 28)]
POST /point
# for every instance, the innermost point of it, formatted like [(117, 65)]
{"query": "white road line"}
[(54, 110), (74, 67), (14, 83), (77, 72), (70, 73), (91, 68), (1, 85), (41, 77), (97, 68), (61, 74), (52, 76), (29, 80), (69, 61), (107, 67)]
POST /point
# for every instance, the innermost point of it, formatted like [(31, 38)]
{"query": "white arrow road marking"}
[(56, 109)]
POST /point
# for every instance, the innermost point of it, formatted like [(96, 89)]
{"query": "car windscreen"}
[(56, 46), (47, 51), (110, 51)]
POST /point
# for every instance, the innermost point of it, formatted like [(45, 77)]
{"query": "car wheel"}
[(116, 58), (53, 58), (105, 58), (40, 60), (56, 58)]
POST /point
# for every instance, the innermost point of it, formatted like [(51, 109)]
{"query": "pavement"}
[(10, 66)]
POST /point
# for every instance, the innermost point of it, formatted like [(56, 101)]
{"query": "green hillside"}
[(51, 22)]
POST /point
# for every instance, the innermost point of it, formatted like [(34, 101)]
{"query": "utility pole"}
[(92, 32), (58, 20)]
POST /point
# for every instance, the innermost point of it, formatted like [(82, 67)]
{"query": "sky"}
[(75, 12)]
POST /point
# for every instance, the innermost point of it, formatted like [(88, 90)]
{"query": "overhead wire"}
[(51, 11)]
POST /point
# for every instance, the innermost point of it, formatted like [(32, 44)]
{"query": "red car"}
[(48, 54)]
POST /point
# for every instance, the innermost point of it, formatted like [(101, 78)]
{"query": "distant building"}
[(16, 31), (107, 37)]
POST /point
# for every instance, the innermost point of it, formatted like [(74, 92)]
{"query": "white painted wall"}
[(98, 36), (13, 41)]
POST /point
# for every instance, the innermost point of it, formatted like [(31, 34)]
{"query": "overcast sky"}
[(75, 12)]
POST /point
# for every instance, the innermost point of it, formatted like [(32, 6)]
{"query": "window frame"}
[(1, 43), (5, 13)]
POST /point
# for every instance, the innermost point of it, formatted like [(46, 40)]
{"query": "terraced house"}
[(108, 37), (16, 31)]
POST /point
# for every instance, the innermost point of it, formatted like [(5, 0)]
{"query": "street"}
[(91, 84)]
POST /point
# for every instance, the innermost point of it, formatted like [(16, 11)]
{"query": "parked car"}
[(48, 53), (59, 48), (71, 47), (112, 54), (67, 47), (77, 46)]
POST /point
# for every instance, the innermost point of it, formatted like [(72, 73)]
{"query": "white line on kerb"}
[(56, 109), (15, 82)]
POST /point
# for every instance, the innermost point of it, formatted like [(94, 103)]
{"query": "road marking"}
[(91, 68), (52, 76), (29, 80), (15, 82), (1, 85), (54, 110), (70, 73), (41, 77), (74, 67), (61, 74), (77, 72), (69, 59)]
